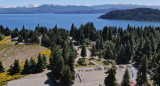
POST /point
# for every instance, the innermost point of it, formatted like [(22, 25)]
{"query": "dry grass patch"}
[(8, 53)]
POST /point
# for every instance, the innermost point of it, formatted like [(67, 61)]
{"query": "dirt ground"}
[(8, 53), (41, 79), (94, 76), (91, 76)]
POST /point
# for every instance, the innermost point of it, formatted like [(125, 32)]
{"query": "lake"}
[(30, 21)]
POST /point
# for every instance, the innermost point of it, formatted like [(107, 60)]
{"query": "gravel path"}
[(41, 79)]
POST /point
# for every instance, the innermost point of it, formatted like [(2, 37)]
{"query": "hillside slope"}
[(138, 14)]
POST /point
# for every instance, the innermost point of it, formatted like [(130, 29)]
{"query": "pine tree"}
[(15, 68), (65, 52), (142, 72), (100, 54), (56, 63), (98, 44), (93, 51), (46, 41), (40, 64), (108, 53), (26, 69), (66, 78), (147, 48), (126, 79), (83, 51), (153, 43), (72, 32), (139, 53), (1, 67), (128, 53), (158, 47), (44, 61), (33, 65), (110, 80), (156, 77), (71, 64), (121, 56)]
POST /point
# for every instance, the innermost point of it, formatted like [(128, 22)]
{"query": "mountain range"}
[(69, 9)]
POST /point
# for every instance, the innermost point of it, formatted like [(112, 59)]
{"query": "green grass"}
[(100, 62), (86, 61)]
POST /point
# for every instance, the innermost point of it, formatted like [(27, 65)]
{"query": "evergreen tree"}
[(56, 63), (158, 47), (147, 48), (73, 29), (93, 51), (128, 53), (33, 65), (153, 43), (1, 37), (98, 44), (45, 41), (139, 53), (83, 51), (40, 64), (156, 76), (66, 52), (100, 54), (142, 72), (44, 61), (1, 67), (71, 64), (110, 80), (66, 78), (110, 34), (108, 53), (26, 69), (126, 79), (15, 68)]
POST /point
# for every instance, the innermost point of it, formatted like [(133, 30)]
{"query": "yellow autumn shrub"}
[(4, 77), (47, 52), (5, 38)]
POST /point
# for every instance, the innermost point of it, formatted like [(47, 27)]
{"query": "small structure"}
[(92, 43), (4, 55), (15, 39)]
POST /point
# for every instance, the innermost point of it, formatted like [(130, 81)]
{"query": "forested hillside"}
[(138, 14)]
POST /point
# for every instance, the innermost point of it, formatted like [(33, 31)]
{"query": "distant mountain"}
[(87, 11), (44, 9), (68, 9), (138, 14), (117, 6), (123, 6)]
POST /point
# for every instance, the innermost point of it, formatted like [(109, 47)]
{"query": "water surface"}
[(30, 21)]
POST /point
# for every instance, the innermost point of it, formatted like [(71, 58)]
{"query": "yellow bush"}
[(4, 77), (21, 64), (47, 52), (5, 38)]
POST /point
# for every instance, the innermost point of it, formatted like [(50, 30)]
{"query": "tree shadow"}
[(50, 81)]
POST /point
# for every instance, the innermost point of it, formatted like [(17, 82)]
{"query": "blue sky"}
[(14, 3)]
